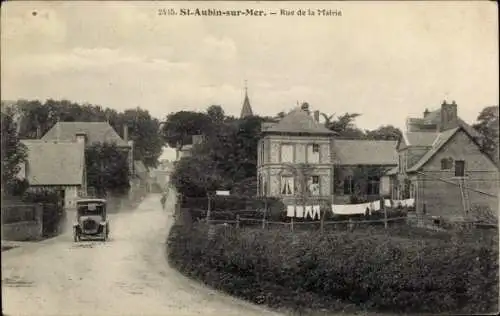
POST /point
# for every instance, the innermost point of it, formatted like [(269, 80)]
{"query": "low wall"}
[(22, 231), (22, 222)]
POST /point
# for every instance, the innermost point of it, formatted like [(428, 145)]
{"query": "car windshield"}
[(90, 209)]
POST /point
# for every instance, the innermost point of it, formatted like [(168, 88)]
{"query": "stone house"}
[(441, 166), (56, 165), (92, 133), (298, 141)]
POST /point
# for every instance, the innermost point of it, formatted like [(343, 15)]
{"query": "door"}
[(459, 168)]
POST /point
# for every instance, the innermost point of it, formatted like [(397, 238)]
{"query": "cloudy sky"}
[(384, 60)]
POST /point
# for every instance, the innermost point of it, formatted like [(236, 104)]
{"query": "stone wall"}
[(22, 229)]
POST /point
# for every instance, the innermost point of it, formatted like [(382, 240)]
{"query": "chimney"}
[(449, 116), (81, 138), (125, 132), (426, 112), (316, 116), (305, 107)]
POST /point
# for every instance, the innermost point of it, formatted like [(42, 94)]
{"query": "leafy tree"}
[(192, 178), (344, 126), (107, 169), (144, 131), (14, 153), (216, 113), (385, 132), (487, 125), (180, 126)]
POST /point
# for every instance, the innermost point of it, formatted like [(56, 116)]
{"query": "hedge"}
[(364, 270)]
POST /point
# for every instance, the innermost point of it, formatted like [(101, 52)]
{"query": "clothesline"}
[(313, 211)]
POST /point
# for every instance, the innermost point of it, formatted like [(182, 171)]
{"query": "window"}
[(459, 168), (313, 153), (373, 186), (286, 153), (287, 185), (313, 185), (446, 163), (348, 185)]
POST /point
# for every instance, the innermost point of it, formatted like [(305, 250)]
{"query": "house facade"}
[(58, 166), (441, 166), (297, 144), (298, 156)]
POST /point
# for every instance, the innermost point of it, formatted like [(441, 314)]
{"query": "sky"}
[(387, 61)]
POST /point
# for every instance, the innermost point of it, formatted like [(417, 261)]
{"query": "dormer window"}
[(446, 164)]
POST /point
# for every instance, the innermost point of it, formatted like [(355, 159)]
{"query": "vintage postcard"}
[(249, 157)]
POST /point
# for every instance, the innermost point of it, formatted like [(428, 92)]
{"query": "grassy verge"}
[(398, 271)]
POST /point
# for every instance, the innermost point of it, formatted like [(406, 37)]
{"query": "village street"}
[(128, 275)]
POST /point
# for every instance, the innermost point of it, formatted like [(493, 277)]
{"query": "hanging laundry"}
[(410, 202), (299, 211), (316, 211), (387, 203), (308, 212), (290, 211), (350, 209), (375, 206)]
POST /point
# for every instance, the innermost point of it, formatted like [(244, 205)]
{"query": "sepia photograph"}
[(227, 158)]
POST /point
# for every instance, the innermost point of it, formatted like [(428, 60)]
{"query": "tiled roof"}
[(97, 132), (442, 139), (420, 138), (54, 163), (365, 152), (297, 121)]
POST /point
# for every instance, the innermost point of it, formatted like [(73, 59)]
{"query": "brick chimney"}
[(316, 116), (449, 116)]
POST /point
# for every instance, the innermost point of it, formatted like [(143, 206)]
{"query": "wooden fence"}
[(350, 224)]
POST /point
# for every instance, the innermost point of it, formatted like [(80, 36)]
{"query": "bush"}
[(53, 214), (368, 268)]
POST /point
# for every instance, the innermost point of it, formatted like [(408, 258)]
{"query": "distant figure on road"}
[(163, 200)]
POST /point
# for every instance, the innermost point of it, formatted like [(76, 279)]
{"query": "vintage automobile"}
[(91, 220)]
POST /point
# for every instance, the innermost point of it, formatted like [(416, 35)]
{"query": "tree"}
[(384, 132), (144, 130), (180, 126), (216, 113), (344, 126), (107, 169), (192, 178), (487, 125), (14, 153)]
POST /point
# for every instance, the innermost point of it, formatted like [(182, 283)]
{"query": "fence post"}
[(291, 224), (237, 221), (385, 217), (265, 213)]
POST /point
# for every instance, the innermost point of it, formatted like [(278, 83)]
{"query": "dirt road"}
[(128, 275)]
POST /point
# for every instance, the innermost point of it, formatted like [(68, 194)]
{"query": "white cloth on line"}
[(299, 211), (316, 211), (308, 212), (350, 209), (290, 211), (375, 206), (387, 203), (410, 202)]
